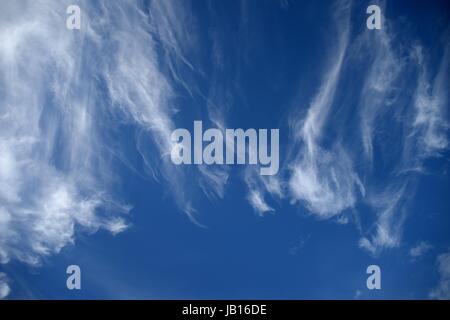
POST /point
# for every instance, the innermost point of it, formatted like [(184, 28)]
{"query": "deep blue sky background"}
[(275, 66)]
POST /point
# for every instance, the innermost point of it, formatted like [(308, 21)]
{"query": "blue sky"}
[(85, 176)]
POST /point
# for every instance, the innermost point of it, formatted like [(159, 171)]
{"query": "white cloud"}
[(60, 93), (258, 203), (140, 82), (330, 174), (420, 249), (54, 171), (387, 230), (415, 133), (213, 180), (379, 83), (425, 138), (326, 182), (430, 124), (442, 291), (4, 287), (323, 178), (259, 187)]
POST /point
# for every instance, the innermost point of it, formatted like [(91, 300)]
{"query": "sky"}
[(86, 177)]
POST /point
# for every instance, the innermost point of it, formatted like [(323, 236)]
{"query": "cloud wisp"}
[(54, 174), (420, 249), (64, 94), (4, 287), (332, 170), (442, 290), (323, 177)]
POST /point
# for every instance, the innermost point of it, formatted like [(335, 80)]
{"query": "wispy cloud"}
[(332, 169), (54, 173), (258, 203), (57, 162), (4, 287), (64, 93), (323, 178), (442, 290), (420, 249), (213, 181), (422, 131), (387, 230), (261, 187), (299, 244), (379, 87), (431, 99)]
